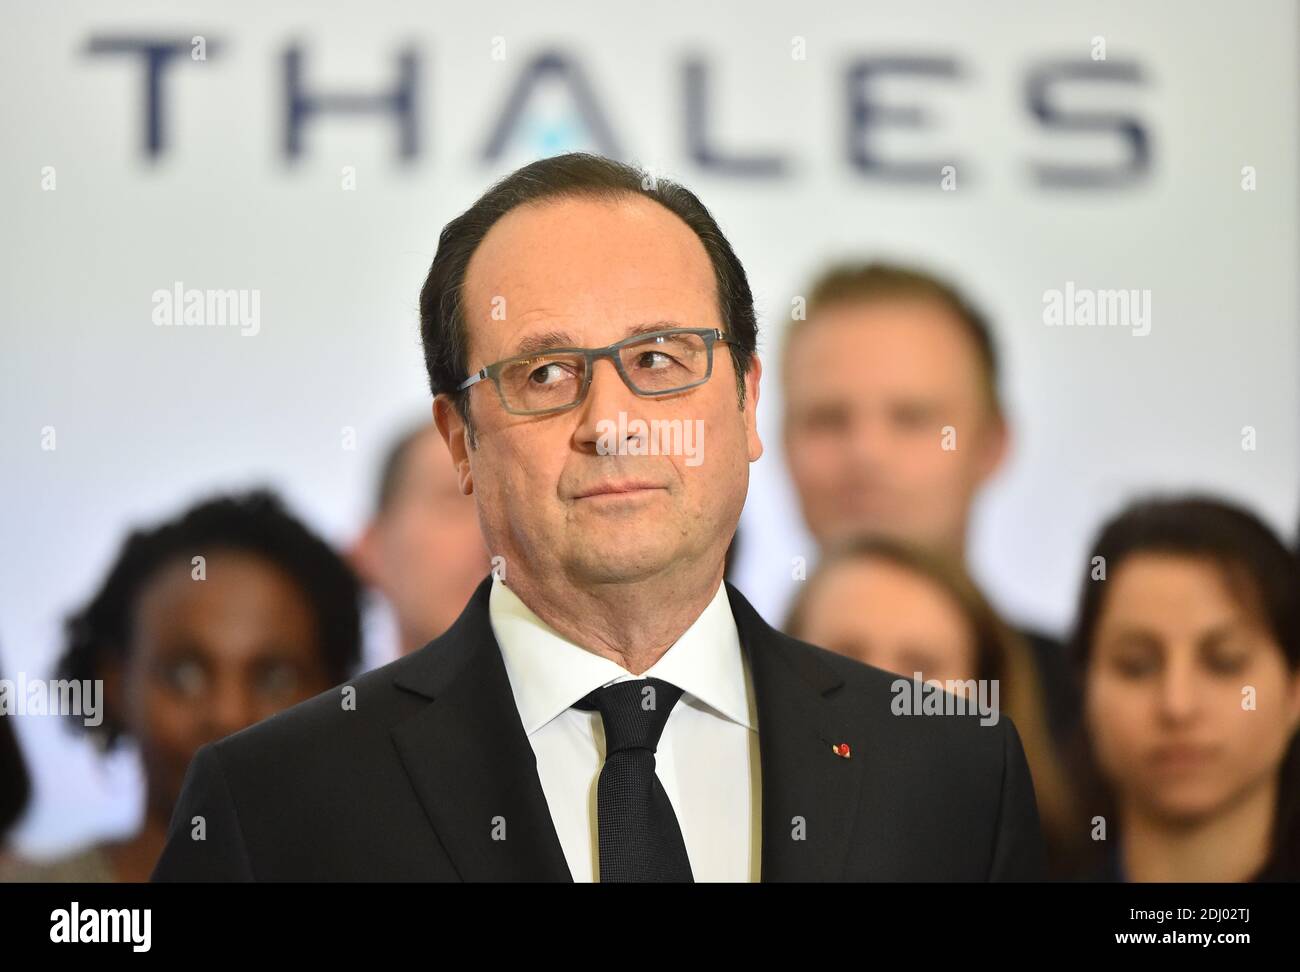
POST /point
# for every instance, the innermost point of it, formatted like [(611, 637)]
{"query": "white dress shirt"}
[(708, 756)]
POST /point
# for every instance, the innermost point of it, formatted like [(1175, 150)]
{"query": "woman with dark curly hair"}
[(204, 625)]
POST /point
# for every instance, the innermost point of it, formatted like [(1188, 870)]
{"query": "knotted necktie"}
[(639, 837)]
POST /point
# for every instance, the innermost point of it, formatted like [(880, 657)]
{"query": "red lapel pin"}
[(841, 749)]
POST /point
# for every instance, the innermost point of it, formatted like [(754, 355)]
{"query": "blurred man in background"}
[(422, 550), (893, 422)]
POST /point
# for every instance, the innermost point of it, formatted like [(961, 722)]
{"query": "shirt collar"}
[(548, 672)]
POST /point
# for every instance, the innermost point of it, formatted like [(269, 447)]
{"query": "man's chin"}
[(625, 562)]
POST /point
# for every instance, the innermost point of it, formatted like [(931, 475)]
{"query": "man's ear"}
[(752, 379), (452, 429)]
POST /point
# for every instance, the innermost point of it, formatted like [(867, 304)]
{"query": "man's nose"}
[(606, 397)]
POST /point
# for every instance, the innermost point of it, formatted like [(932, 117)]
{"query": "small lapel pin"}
[(840, 749)]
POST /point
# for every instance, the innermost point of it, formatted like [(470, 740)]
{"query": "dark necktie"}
[(639, 837)]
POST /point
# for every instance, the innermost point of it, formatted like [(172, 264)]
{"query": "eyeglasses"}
[(655, 363)]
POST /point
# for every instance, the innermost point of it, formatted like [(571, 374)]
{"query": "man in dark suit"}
[(607, 707)]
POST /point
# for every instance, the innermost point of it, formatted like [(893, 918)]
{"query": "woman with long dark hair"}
[(1188, 646)]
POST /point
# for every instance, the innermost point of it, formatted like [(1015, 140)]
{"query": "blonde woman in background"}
[(894, 606)]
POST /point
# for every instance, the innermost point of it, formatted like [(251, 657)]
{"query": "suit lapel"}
[(470, 761), (810, 794), (475, 773)]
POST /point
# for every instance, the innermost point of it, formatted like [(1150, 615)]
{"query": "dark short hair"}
[(857, 282), (255, 522), (573, 175), (1261, 574)]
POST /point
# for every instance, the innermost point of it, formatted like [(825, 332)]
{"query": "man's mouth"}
[(618, 487)]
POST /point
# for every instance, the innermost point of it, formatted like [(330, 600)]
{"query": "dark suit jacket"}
[(413, 782)]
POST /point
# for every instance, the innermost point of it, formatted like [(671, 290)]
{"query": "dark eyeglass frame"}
[(711, 335)]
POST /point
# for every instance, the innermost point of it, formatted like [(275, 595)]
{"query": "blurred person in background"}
[(422, 550), (884, 360), (15, 785), (1189, 648), (899, 607), (193, 650)]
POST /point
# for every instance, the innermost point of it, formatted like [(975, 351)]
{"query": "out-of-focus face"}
[(869, 388), (209, 657), (588, 273), (425, 551), (891, 617), (1172, 654)]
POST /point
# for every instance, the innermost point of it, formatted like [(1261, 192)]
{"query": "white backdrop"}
[(147, 418)]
